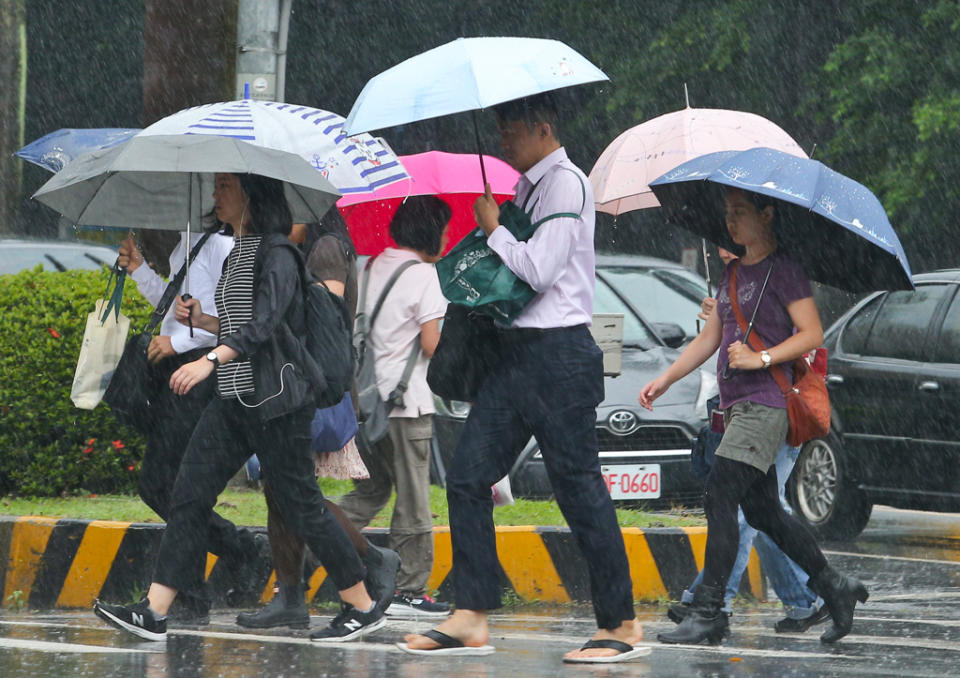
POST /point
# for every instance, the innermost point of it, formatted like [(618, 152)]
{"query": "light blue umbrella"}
[(832, 225), (465, 75), (53, 151)]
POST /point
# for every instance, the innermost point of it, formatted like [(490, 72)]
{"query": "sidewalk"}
[(68, 563)]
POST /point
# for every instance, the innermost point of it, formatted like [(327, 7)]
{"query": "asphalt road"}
[(909, 627)]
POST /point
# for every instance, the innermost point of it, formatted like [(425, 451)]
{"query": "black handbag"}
[(468, 350), (135, 385)]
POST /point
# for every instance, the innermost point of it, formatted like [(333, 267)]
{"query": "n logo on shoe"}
[(353, 624), (136, 618)]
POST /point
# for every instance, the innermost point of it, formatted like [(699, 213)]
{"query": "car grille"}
[(644, 438)]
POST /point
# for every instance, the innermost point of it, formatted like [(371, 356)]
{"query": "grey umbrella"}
[(166, 181)]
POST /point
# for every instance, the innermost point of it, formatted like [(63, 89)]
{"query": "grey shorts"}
[(753, 434)]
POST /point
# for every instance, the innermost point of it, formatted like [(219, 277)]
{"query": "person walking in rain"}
[(409, 318), (548, 383), (743, 473), (265, 404), (172, 417), (331, 257)]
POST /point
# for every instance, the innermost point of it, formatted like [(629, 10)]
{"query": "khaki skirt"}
[(753, 434)]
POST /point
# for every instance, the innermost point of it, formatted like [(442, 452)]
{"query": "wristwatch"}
[(765, 359), (214, 358)]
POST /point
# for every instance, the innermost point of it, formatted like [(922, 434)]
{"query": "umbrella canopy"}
[(354, 164), (467, 74), (454, 177), (832, 225), (164, 181), (621, 175), (53, 151)]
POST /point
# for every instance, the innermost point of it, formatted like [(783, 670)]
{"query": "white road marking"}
[(883, 557), (45, 646)]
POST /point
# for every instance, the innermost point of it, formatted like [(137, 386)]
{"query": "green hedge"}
[(48, 447)]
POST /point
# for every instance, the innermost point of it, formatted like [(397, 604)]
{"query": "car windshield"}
[(661, 295), (635, 333)]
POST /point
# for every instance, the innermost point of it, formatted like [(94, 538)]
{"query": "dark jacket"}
[(284, 377)]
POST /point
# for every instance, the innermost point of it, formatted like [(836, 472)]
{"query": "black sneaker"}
[(349, 624), (137, 619), (414, 607), (286, 608)]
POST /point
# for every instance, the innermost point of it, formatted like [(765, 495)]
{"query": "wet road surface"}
[(909, 627)]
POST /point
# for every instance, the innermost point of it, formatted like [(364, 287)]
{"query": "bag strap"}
[(407, 370), (173, 287), (583, 199), (750, 338), (383, 295), (115, 297)]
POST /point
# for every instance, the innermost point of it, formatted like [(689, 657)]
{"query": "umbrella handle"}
[(483, 169), (188, 297)]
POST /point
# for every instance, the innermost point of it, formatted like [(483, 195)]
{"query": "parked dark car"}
[(54, 255), (645, 455), (893, 373)]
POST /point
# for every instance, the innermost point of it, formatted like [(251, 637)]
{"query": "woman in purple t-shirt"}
[(755, 413)]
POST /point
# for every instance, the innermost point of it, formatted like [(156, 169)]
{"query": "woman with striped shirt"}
[(265, 405)]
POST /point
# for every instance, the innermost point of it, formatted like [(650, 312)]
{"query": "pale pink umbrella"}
[(623, 171), (453, 177)]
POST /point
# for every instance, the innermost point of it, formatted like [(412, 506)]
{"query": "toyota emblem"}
[(623, 422)]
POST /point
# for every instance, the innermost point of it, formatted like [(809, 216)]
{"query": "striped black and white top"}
[(234, 298)]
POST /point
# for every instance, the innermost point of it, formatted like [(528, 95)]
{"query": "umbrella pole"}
[(186, 295), (476, 134)]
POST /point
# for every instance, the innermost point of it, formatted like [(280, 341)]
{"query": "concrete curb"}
[(65, 563)]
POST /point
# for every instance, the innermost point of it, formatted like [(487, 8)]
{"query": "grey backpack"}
[(372, 411)]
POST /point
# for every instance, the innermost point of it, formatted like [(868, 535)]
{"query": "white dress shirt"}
[(204, 273), (558, 260)]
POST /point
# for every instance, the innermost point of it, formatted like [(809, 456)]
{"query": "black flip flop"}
[(626, 652), (449, 646)]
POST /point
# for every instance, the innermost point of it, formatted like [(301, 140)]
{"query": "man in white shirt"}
[(173, 417), (410, 316), (548, 383)]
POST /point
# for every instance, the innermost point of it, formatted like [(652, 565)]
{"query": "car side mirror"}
[(671, 334)]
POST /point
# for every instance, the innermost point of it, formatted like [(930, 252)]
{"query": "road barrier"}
[(67, 563)]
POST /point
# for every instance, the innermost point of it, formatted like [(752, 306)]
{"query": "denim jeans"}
[(789, 581), (547, 384)]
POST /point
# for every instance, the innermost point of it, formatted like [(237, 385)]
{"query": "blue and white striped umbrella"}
[(356, 163)]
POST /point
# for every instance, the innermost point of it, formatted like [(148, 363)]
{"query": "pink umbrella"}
[(453, 177), (623, 171)]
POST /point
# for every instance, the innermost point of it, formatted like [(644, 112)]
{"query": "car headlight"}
[(708, 389), (456, 409)]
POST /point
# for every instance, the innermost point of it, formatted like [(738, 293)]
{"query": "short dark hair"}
[(531, 110), (269, 211), (419, 223)]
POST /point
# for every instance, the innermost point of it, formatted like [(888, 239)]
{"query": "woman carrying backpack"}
[(265, 403)]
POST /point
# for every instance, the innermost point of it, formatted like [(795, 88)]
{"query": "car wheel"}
[(821, 494)]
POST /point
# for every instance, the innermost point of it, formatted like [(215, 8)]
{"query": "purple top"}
[(773, 325)]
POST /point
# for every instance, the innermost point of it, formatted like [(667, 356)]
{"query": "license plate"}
[(632, 481)]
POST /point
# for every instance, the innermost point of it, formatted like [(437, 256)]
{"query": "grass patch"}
[(246, 507)]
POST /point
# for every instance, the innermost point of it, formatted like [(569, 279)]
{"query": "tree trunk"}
[(189, 58), (13, 64)]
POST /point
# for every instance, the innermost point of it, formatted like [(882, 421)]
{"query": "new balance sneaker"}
[(414, 607), (137, 619), (349, 624)]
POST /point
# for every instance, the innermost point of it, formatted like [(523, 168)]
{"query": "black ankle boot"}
[(382, 565), (840, 595), (286, 608), (678, 612), (704, 621)]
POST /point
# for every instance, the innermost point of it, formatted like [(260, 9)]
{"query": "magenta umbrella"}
[(453, 177), (622, 173)]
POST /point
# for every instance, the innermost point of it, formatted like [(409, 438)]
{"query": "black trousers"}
[(733, 483), (174, 419), (548, 384), (226, 435)]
